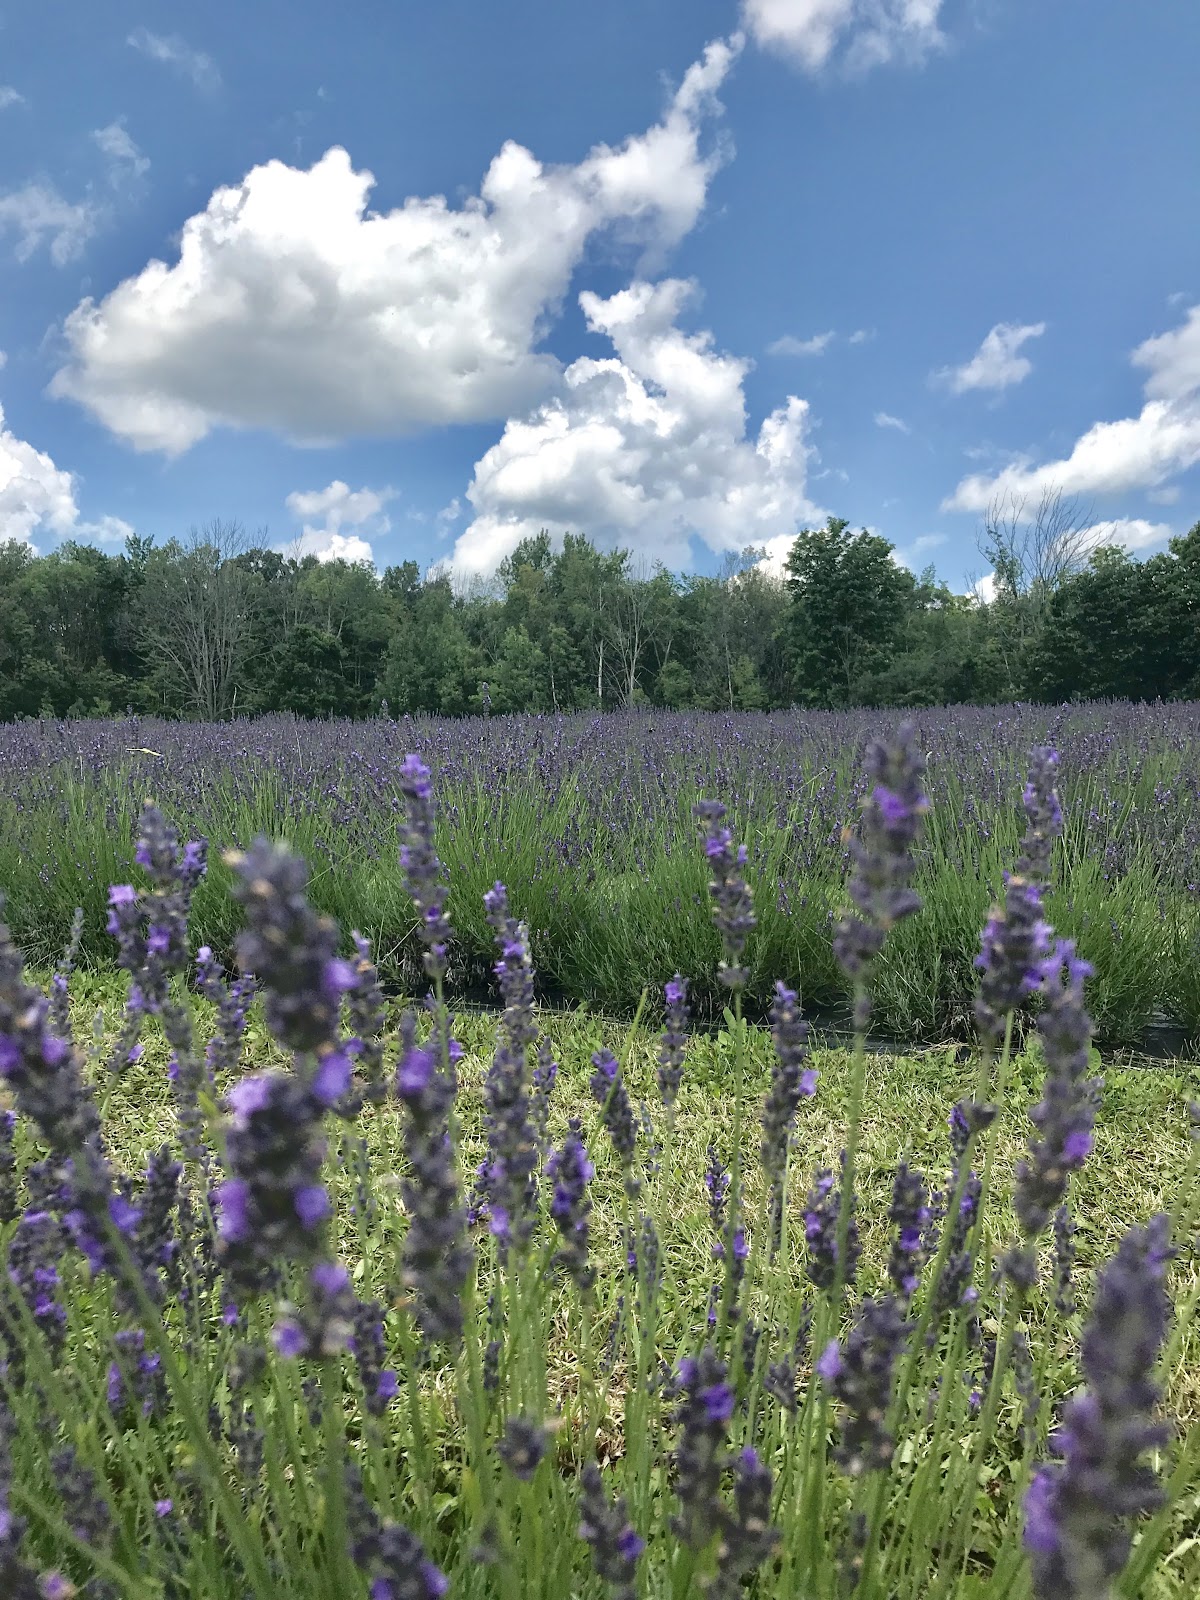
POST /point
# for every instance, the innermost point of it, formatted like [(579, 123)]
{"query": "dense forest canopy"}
[(215, 625)]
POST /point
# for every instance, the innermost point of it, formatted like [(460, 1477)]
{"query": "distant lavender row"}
[(588, 820)]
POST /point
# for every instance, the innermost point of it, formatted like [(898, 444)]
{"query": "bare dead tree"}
[(196, 614), (1034, 549)]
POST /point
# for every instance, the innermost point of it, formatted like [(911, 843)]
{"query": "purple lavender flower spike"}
[(273, 1205), (732, 905), (136, 1381), (514, 1147), (45, 1077), (60, 985), (717, 1179), (702, 1417), (151, 928), (569, 1171), (860, 1375), (8, 1167), (154, 1243), (366, 1014), (616, 1110), (1043, 812), (910, 1216), (380, 1384), (222, 1053), (955, 1288), (1078, 1510), (881, 848), (792, 1080), (605, 1527), (1016, 938), (33, 1253), (1066, 1113), (290, 948), (388, 1554), (325, 1325), (1064, 1262), (18, 1580), (747, 1537), (1014, 946), (522, 1447), (437, 1256), (674, 1042), (424, 875), (545, 1075), (821, 1232), (85, 1508)]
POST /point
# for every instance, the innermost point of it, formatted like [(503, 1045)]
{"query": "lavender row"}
[(587, 820)]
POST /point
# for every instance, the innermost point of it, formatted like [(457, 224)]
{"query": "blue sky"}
[(415, 281)]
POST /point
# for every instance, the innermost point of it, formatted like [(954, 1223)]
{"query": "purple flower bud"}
[(1079, 1510)]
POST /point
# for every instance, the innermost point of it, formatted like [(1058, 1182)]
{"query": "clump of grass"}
[(428, 1301)]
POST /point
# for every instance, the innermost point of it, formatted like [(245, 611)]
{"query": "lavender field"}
[(310, 1293), (587, 819)]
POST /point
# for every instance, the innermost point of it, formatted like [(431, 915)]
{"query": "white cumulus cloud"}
[(861, 33), (789, 345), (1139, 452), (37, 214), (1173, 360), (38, 497), (293, 307), (172, 51), (1130, 533), (998, 361), (10, 97), (644, 449), (884, 419), (338, 507)]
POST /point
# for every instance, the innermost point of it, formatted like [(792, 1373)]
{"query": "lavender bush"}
[(314, 1350), (588, 822)]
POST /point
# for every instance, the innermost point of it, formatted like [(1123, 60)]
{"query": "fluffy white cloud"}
[(869, 33), (789, 345), (1173, 360), (1130, 533), (644, 450), (997, 363), (294, 308), (338, 507), (1112, 457), (38, 497), (10, 97), (884, 419), (125, 160), (172, 51), (37, 214)]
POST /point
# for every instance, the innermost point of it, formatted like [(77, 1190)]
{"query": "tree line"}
[(215, 625)]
